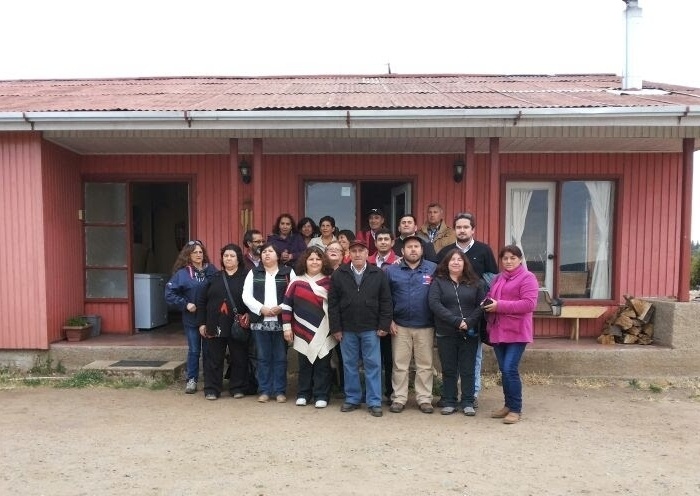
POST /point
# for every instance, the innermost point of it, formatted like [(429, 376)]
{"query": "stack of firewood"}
[(631, 324)]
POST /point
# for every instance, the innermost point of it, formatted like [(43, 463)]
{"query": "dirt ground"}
[(573, 439)]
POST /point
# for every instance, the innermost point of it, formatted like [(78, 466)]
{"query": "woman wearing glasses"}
[(190, 271)]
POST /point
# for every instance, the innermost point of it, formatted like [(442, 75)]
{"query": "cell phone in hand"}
[(487, 301)]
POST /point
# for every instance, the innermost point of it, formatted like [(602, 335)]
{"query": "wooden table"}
[(575, 314)]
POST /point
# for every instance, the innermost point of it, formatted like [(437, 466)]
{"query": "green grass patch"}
[(83, 379)]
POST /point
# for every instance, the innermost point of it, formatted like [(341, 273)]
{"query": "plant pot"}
[(77, 333)]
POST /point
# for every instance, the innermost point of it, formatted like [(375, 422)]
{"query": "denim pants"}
[(457, 356), (364, 344), (314, 378), (272, 362), (194, 349), (508, 356), (477, 368)]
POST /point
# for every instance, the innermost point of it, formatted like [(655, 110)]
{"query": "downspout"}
[(686, 208), (494, 197), (234, 188), (631, 74)]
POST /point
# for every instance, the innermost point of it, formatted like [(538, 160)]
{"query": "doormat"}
[(139, 363)]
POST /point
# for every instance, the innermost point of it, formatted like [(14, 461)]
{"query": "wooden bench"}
[(574, 314)]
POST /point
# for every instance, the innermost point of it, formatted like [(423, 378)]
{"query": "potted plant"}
[(77, 328)]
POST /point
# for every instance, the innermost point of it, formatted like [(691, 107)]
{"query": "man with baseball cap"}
[(375, 219), (359, 313)]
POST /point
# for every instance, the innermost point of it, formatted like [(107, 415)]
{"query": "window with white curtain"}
[(576, 262), (585, 255)]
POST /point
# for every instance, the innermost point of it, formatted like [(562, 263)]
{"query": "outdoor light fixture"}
[(245, 171), (458, 170)]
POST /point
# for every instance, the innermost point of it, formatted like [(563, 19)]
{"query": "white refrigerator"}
[(150, 309)]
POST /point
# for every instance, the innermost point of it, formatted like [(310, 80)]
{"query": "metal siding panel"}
[(23, 295), (63, 237)]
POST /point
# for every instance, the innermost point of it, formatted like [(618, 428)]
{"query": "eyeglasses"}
[(195, 242), (334, 250)]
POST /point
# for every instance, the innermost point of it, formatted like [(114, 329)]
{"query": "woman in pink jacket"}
[(509, 305)]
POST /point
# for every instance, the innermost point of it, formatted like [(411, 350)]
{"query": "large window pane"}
[(585, 260), (336, 199), (105, 202), (105, 246), (105, 283)]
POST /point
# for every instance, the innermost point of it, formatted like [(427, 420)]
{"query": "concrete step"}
[(145, 369)]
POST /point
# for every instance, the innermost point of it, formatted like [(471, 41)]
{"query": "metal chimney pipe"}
[(631, 75)]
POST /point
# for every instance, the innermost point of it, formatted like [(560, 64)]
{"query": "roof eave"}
[(663, 116)]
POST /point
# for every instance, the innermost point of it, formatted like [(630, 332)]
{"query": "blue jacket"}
[(409, 292), (182, 288)]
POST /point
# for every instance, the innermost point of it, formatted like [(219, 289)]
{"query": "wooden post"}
[(491, 225), (686, 207), (234, 188), (256, 204)]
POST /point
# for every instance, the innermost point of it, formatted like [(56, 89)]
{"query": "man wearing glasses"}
[(252, 241)]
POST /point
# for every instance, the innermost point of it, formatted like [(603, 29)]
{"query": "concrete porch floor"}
[(553, 356)]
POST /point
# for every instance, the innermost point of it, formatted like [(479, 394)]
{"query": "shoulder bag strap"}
[(228, 292)]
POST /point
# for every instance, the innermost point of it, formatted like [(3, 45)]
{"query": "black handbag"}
[(238, 333)]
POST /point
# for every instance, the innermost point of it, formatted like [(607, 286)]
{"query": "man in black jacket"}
[(359, 311)]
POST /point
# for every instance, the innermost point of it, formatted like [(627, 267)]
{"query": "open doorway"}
[(349, 201), (159, 230)]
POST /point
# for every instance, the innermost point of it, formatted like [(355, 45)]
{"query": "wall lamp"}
[(458, 170), (244, 169)]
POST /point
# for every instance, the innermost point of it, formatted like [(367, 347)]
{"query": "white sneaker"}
[(191, 386), (301, 401), (321, 404)]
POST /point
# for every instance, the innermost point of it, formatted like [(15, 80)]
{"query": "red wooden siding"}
[(647, 225), (23, 320), (63, 237), (282, 177)]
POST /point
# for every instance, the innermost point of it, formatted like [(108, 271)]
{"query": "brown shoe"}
[(426, 408), (500, 413), (263, 398), (281, 398), (396, 408), (511, 418)]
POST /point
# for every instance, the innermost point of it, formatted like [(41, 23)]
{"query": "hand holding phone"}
[(487, 301)]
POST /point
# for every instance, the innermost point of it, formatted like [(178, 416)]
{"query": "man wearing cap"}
[(359, 313), (412, 328), (407, 227), (435, 229), (375, 219)]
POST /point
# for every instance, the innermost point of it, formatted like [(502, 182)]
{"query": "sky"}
[(54, 39)]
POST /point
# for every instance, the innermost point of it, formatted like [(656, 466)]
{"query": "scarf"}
[(316, 340)]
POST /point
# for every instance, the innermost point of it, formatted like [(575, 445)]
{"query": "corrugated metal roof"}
[(333, 92)]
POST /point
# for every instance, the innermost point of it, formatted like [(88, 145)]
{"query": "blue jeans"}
[(272, 362), (194, 349), (363, 344), (457, 357), (477, 369), (508, 356)]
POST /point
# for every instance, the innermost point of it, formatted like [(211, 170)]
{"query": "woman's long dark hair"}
[(467, 276), (183, 258), (276, 227)]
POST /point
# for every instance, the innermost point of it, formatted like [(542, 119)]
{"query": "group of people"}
[(377, 300)]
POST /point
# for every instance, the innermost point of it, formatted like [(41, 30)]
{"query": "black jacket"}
[(353, 308), (211, 297), (445, 301)]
